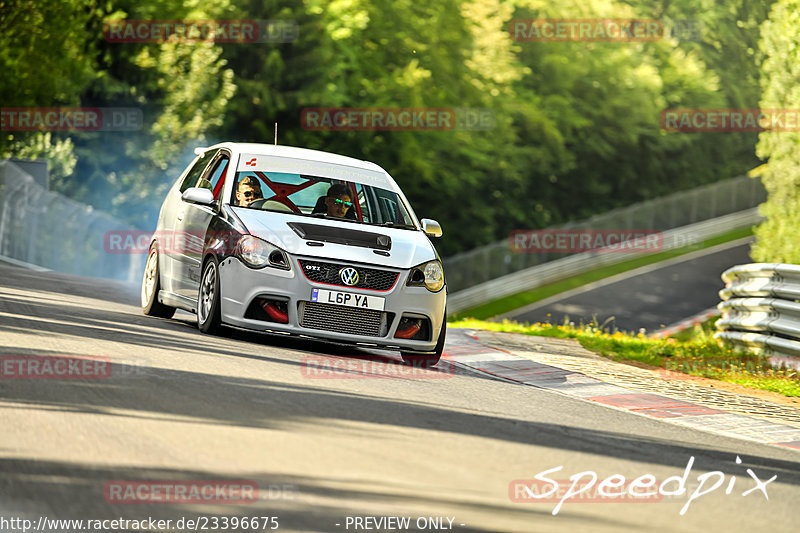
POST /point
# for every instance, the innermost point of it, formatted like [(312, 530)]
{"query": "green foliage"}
[(42, 145), (45, 53), (46, 58), (778, 236), (605, 99), (183, 89), (577, 123), (386, 53)]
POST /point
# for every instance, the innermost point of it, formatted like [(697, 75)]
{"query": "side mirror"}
[(431, 227), (198, 195)]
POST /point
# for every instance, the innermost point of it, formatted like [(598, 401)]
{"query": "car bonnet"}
[(405, 249)]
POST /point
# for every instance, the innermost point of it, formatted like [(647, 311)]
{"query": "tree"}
[(183, 89), (46, 58), (777, 238)]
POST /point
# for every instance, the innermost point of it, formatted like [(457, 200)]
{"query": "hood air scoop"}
[(339, 235)]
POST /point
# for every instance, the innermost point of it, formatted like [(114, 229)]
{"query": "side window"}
[(389, 209), (197, 169), (213, 180)]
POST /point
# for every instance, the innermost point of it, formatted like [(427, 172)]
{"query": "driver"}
[(338, 201), (249, 191)]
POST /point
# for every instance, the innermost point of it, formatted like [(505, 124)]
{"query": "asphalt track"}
[(651, 297), (181, 406)]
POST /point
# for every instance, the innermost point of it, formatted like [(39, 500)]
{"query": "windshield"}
[(316, 196)]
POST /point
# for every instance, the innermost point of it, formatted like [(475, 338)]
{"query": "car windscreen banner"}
[(266, 163)]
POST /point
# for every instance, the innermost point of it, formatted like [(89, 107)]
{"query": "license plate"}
[(362, 301)]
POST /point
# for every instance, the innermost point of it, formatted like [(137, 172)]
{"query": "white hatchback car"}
[(274, 238)]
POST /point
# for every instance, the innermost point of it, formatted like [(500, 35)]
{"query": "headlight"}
[(257, 253), (429, 274)]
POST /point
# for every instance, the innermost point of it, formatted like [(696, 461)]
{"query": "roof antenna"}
[(276, 134)]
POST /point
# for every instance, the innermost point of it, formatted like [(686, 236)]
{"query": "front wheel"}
[(208, 308), (428, 360), (151, 284)]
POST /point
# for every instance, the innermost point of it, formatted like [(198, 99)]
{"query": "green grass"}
[(515, 301), (701, 355), (708, 327)]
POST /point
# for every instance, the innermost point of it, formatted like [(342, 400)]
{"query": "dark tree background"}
[(576, 127)]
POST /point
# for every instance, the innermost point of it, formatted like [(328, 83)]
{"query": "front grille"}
[(341, 319), (368, 278)]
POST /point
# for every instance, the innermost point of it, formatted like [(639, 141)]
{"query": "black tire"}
[(209, 315), (151, 284), (428, 360)]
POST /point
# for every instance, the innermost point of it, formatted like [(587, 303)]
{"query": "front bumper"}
[(240, 286)]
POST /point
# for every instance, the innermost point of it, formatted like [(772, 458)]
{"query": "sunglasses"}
[(348, 205), (248, 194)]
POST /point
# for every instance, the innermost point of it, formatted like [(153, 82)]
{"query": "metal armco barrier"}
[(680, 209), (760, 312), (47, 229), (559, 269)]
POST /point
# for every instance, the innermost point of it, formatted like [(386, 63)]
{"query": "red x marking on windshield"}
[(283, 190)]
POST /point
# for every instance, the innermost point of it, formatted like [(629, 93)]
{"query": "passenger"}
[(249, 191)]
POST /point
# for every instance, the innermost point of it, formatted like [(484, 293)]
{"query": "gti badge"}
[(349, 276)]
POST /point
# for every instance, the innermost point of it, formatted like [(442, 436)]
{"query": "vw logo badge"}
[(349, 276)]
